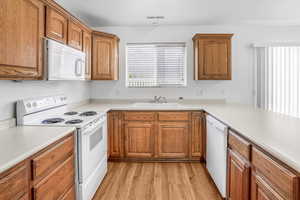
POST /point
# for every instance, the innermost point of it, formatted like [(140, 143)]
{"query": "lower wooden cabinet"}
[(172, 139), (115, 137), (47, 175), (238, 177), (261, 190), (14, 183), (197, 136), (150, 135), (139, 139)]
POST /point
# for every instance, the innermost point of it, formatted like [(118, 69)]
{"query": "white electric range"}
[(91, 137)]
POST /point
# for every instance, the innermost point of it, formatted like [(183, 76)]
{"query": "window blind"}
[(278, 79), (156, 65)]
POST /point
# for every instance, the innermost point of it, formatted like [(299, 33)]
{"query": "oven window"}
[(96, 138)]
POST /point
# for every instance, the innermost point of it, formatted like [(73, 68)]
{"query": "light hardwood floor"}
[(156, 181)]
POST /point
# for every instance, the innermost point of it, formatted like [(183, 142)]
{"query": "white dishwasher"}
[(216, 152)]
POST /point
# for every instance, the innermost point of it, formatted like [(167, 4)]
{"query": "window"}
[(156, 65), (278, 79)]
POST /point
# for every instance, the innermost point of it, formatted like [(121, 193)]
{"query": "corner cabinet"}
[(21, 39), (105, 53), (212, 54)]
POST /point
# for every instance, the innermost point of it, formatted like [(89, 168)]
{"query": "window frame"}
[(158, 86)]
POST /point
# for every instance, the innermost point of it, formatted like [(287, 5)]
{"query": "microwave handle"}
[(78, 67)]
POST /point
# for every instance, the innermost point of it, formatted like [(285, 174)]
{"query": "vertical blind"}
[(156, 65), (278, 79)]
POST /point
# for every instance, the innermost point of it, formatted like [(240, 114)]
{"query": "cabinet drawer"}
[(173, 116), (281, 179), (239, 145), (46, 160), (14, 184), (55, 185), (70, 195), (139, 116)]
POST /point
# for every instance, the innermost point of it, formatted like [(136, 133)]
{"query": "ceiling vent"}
[(155, 20)]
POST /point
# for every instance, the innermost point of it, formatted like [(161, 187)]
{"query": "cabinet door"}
[(173, 139), (114, 132), (14, 183), (56, 25), (213, 57), (21, 39), (75, 35), (87, 49), (197, 135), (238, 177), (261, 190), (139, 139), (105, 58)]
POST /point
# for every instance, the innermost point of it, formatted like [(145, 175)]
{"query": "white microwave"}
[(64, 62)]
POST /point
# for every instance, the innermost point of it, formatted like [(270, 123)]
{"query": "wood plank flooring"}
[(156, 181)]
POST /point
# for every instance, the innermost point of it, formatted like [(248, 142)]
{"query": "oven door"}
[(92, 150)]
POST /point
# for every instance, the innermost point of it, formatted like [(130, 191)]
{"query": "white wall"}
[(239, 89), (11, 91)]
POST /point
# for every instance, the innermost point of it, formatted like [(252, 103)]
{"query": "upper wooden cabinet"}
[(75, 35), (21, 39), (87, 49), (56, 25), (105, 56), (212, 56)]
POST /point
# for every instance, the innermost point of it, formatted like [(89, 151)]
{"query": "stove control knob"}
[(28, 105), (34, 104)]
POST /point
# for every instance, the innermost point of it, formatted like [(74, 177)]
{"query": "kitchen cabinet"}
[(239, 167), (14, 183), (139, 139), (197, 137), (271, 179), (261, 190), (47, 175), (87, 49), (105, 53), (115, 141), (21, 39), (212, 56), (238, 176), (56, 25), (75, 35), (173, 139)]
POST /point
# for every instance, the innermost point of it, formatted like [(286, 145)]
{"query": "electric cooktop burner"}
[(74, 121), (52, 121), (71, 113), (88, 114)]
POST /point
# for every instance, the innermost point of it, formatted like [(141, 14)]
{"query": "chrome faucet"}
[(160, 99)]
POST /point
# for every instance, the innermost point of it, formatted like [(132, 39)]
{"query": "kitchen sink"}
[(155, 105)]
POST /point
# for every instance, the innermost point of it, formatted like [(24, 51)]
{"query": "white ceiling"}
[(185, 12)]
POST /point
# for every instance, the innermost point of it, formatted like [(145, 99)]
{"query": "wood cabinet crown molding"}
[(212, 35), (109, 35)]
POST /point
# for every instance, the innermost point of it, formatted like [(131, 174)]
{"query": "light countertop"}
[(19, 143), (276, 133)]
